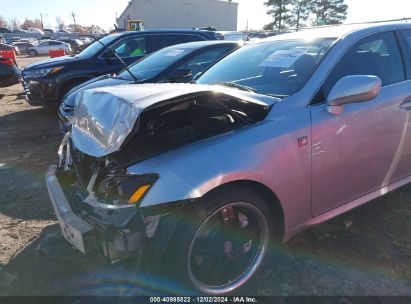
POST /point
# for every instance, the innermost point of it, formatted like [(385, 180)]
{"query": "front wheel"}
[(227, 245), (32, 53)]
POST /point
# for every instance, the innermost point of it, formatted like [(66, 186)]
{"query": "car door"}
[(43, 48), (55, 45), (360, 151)]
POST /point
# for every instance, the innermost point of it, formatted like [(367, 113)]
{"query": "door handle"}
[(406, 104)]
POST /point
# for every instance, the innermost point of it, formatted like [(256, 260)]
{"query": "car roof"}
[(162, 31), (201, 44), (337, 31)]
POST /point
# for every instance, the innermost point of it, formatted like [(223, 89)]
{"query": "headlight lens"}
[(42, 72), (126, 189)]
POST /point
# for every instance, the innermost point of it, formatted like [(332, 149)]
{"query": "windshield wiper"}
[(119, 58), (237, 86), (277, 96)]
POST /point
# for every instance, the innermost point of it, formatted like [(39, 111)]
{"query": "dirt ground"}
[(364, 252)]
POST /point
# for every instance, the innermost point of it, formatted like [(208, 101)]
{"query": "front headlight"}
[(42, 72), (126, 189)]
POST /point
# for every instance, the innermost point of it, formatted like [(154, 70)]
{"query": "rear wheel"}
[(228, 243)]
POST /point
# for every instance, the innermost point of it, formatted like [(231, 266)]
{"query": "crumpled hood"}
[(104, 117)]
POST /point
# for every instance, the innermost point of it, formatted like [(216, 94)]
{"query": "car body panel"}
[(366, 145)]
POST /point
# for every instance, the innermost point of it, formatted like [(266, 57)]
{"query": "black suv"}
[(48, 81)]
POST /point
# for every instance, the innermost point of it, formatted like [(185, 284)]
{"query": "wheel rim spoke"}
[(228, 247)]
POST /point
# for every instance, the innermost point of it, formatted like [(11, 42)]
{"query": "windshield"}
[(96, 47), (275, 68), (154, 64)]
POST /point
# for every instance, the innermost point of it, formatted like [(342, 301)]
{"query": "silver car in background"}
[(45, 46), (198, 179)]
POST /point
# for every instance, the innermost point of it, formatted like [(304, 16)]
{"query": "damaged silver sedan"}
[(196, 179)]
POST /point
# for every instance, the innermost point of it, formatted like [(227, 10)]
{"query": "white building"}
[(181, 14)]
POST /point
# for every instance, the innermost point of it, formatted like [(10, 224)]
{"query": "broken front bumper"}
[(75, 230), (95, 229)]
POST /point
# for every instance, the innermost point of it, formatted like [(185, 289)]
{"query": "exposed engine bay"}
[(177, 122)]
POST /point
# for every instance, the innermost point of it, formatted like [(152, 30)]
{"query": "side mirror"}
[(352, 89), (179, 74), (108, 54)]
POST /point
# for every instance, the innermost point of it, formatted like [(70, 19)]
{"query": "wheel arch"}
[(70, 82), (266, 193)]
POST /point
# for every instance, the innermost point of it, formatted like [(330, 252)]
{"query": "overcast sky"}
[(103, 12)]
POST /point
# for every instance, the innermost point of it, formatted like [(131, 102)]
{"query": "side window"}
[(406, 34), (201, 62), (55, 43), (161, 41), (44, 44), (133, 46), (191, 38), (377, 55)]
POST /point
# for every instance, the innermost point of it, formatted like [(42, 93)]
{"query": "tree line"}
[(299, 13), (14, 24)]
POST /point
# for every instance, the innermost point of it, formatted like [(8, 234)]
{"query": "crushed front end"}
[(96, 204), (97, 200)]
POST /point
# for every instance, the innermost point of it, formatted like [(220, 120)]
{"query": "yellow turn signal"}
[(138, 194), (56, 69)]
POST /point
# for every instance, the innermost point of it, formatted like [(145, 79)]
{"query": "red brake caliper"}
[(228, 214)]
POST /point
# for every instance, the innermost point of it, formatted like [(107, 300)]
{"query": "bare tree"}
[(15, 23), (60, 22), (26, 24), (31, 23), (3, 22)]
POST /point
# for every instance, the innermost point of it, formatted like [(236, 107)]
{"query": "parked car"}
[(23, 46), (9, 72), (4, 30), (19, 31), (233, 36), (75, 44), (8, 47), (178, 63), (45, 46), (50, 80), (35, 30), (197, 179)]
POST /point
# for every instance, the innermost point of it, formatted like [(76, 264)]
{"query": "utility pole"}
[(74, 19), (41, 19)]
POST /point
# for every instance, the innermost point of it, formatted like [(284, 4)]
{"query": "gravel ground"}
[(364, 252)]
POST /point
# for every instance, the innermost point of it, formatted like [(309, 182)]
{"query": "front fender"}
[(266, 153)]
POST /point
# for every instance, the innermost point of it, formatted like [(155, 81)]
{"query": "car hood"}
[(105, 116), (53, 62), (102, 81)]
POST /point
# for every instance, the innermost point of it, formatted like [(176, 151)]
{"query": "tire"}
[(33, 53), (221, 223)]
